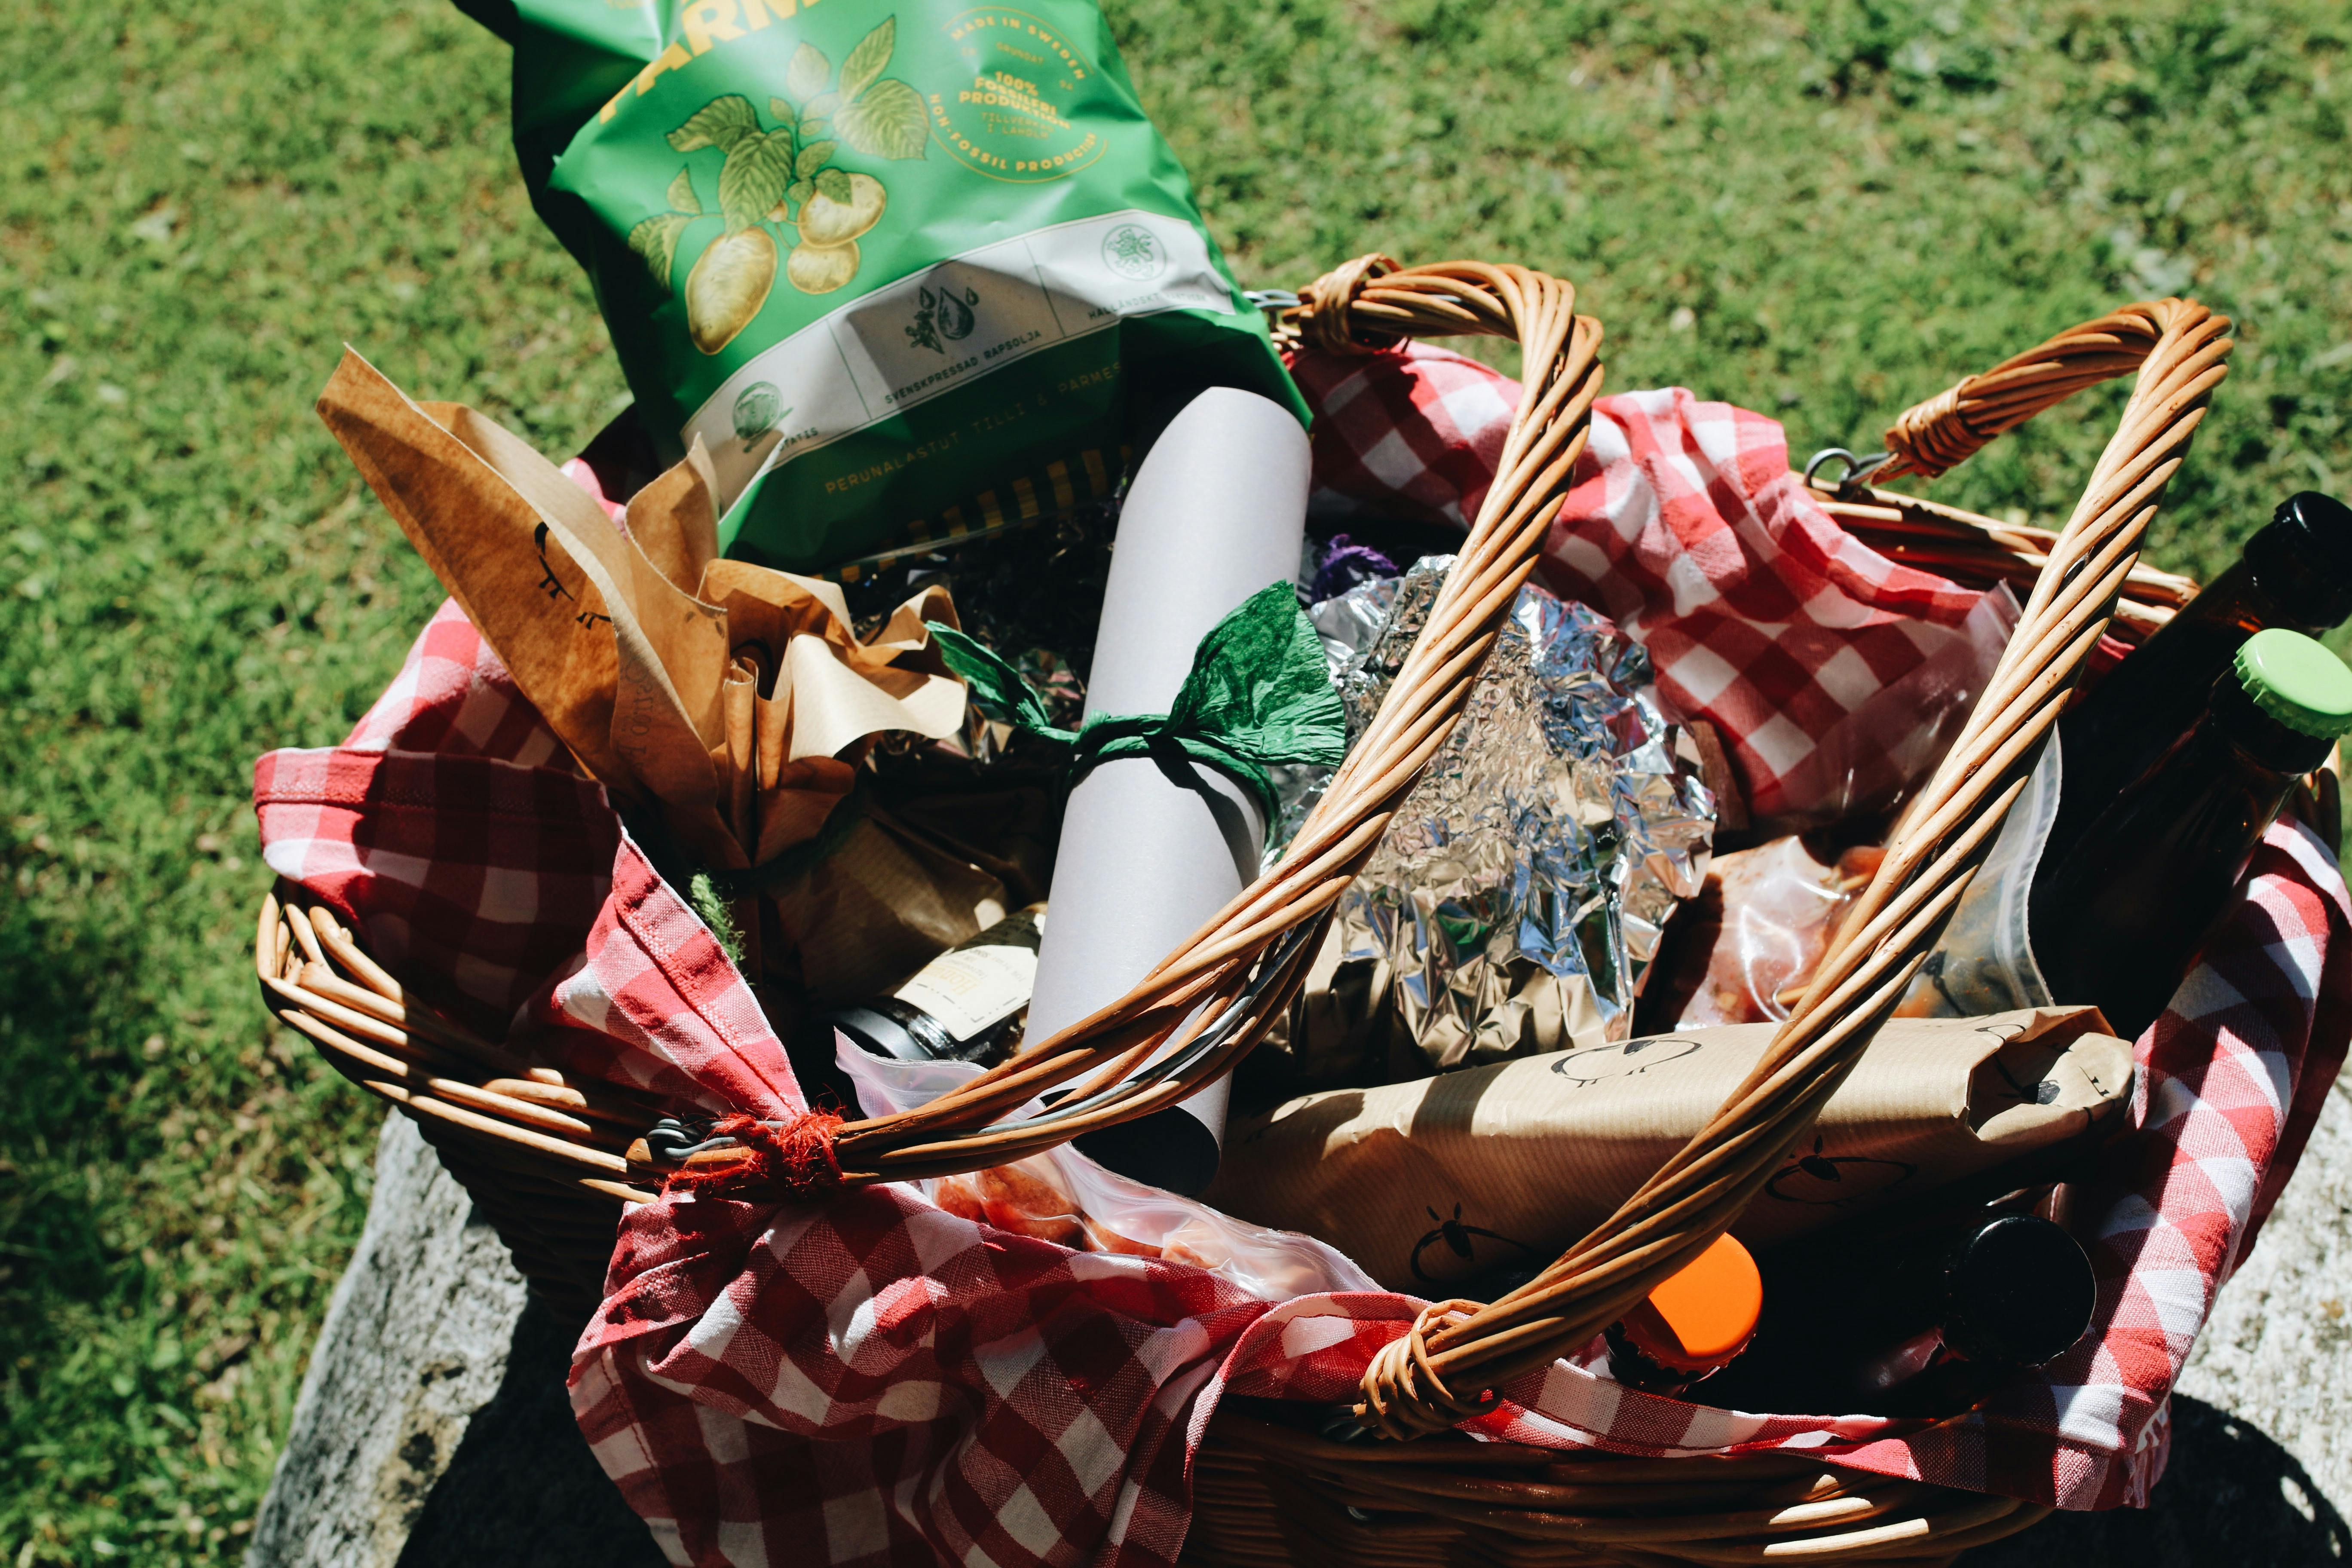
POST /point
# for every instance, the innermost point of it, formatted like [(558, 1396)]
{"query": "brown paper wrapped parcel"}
[(728, 704), (1430, 1183)]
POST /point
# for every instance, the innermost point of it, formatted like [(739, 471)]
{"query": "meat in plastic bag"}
[(1064, 1197), (1744, 948)]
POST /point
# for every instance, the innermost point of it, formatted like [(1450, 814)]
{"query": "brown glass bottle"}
[(2295, 572), (1911, 1318), (2118, 919), (968, 1004)]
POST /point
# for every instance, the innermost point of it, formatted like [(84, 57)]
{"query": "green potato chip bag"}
[(908, 268)]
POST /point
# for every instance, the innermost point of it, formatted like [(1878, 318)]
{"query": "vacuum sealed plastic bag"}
[(1740, 952), (1985, 963), (1064, 1197), (902, 270)]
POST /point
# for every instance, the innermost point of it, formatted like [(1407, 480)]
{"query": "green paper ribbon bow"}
[(1259, 692)]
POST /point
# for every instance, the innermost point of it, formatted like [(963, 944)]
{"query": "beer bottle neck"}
[(2235, 718), (2307, 588)]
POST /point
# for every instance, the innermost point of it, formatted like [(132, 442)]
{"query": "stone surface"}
[(433, 1427), (522, 1488), (2277, 1352)]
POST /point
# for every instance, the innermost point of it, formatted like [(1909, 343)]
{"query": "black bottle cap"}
[(2322, 523), (2021, 1292), (879, 1033)]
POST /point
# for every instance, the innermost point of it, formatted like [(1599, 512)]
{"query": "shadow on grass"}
[(55, 976)]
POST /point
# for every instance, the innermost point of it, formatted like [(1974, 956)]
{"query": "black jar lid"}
[(2021, 1292)]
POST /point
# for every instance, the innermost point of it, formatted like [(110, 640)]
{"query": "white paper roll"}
[(1150, 849)]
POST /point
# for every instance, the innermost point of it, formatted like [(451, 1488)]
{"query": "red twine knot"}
[(778, 1159)]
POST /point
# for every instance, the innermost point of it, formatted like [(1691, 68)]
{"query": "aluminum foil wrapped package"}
[(1517, 899)]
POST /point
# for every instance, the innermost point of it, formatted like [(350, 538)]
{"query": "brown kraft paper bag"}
[(1431, 1182), (728, 704)]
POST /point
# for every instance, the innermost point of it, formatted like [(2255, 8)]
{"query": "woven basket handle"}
[(1435, 1375), (1931, 438), (1209, 1001)]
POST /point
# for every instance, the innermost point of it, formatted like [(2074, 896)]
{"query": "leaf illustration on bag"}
[(720, 123), (865, 61), (812, 158), (886, 120), (655, 240), (808, 73), (757, 171), (923, 329), (786, 175)]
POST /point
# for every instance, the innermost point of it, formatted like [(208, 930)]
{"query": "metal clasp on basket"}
[(1280, 307), (1856, 468)]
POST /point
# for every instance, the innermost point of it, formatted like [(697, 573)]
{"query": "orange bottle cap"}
[(1705, 1315)]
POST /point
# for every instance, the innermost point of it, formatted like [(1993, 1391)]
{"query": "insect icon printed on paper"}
[(1467, 1244)]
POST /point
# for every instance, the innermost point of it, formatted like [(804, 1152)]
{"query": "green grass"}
[(1823, 210)]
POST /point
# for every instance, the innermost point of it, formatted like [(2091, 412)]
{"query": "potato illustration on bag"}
[(827, 221), (821, 269), (780, 182), (729, 284)]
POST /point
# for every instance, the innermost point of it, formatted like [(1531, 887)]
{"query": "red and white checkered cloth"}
[(448, 826), (875, 1380), (1836, 675)]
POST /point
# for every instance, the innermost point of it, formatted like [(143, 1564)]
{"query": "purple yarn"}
[(1344, 564)]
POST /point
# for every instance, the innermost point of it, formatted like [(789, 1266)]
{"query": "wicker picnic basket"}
[(549, 1157)]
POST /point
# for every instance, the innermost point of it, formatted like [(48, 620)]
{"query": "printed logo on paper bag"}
[(553, 585)]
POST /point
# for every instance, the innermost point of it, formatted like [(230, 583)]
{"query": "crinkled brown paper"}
[(733, 698)]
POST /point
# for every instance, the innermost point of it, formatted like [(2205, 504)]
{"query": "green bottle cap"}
[(2297, 682)]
